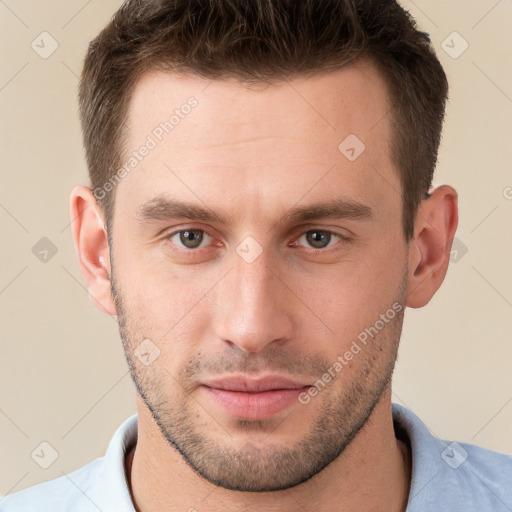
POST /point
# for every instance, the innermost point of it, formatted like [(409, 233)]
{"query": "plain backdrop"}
[(64, 380)]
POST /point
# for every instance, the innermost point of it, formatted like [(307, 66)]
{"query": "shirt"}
[(446, 476)]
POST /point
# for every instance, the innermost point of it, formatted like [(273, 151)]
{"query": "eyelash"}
[(204, 231), (313, 250)]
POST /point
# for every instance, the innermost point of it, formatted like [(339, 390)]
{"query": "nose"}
[(253, 306)]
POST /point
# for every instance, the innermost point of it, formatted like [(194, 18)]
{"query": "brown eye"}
[(189, 238), (320, 239)]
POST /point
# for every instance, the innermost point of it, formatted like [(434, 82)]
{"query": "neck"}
[(372, 474)]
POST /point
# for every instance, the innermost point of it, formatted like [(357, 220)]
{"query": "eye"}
[(319, 238), (190, 238)]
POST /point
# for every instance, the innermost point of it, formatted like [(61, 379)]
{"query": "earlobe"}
[(91, 245), (429, 250)]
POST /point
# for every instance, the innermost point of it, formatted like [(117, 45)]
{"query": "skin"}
[(251, 155)]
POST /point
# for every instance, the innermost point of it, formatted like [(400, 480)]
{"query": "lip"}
[(253, 399), (247, 385)]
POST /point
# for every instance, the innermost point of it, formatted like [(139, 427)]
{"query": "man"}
[(260, 216)]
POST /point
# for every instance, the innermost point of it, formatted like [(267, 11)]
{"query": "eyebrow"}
[(340, 208), (163, 208)]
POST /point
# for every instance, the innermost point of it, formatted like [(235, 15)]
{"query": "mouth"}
[(253, 399)]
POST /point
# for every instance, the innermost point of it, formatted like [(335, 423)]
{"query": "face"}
[(258, 270)]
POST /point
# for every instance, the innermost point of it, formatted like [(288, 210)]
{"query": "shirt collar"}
[(425, 450), (111, 492)]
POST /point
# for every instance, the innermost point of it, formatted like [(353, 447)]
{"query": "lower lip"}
[(254, 406)]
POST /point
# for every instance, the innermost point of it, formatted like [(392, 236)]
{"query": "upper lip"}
[(252, 385)]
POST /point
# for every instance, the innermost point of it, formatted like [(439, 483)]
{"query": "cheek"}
[(155, 286), (351, 296), (171, 318)]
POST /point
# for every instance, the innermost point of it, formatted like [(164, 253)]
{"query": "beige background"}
[(64, 379)]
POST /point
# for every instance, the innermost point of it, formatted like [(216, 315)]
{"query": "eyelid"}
[(342, 238), (167, 237), (337, 230), (303, 231)]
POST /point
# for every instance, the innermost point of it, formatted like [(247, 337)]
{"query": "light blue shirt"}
[(446, 477)]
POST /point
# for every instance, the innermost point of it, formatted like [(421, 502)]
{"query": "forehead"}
[(354, 96), (215, 139)]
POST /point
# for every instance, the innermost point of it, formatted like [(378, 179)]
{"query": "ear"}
[(91, 245), (429, 250)]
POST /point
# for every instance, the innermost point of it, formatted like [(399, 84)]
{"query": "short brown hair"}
[(266, 40)]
